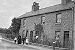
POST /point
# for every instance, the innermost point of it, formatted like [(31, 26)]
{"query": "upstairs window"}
[(24, 21), (58, 18), (43, 20)]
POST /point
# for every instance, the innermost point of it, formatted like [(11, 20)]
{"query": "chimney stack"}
[(74, 0), (65, 1), (35, 6)]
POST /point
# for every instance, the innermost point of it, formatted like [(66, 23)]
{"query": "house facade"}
[(57, 23)]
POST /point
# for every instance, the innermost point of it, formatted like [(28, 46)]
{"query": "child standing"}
[(15, 40), (27, 41)]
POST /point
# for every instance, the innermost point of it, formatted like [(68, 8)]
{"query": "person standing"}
[(27, 41), (1, 38), (19, 39), (37, 39), (23, 40), (15, 40)]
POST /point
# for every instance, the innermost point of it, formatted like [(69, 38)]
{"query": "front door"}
[(31, 36), (66, 39)]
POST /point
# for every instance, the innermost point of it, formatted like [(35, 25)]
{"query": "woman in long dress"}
[(19, 39)]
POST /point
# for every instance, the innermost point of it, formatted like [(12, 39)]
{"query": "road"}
[(5, 45), (9, 45)]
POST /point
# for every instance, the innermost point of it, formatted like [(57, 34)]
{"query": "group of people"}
[(19, 40)]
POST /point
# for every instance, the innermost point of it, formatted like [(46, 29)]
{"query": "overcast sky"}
[(15, 8)]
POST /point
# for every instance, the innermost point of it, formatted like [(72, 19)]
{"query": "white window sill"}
[(57, 23)]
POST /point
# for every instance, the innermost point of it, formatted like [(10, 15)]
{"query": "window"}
[(23, 33), (24, 21), (58, 18), (57, 35), (43, 20), (26, 33)]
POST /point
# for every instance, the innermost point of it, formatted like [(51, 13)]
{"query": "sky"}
[(14, 8)]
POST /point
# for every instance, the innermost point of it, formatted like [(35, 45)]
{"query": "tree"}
[(39, 27), (38, 32), (15, 26), (5, 31)]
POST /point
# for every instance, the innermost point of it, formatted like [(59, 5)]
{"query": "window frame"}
[(57, 35), (57, 18), (42, 21), (24, 21)]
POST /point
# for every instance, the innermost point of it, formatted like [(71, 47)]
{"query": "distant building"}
[(58, 22)]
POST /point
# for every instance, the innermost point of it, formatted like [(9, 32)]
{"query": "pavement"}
[(10, 45)]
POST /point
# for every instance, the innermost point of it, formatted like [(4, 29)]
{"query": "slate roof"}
[(48, 9)]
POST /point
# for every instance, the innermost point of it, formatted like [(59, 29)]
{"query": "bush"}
[(9, 36)]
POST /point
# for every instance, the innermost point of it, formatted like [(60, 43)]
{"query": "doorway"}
[(31, 36), (66, 39)]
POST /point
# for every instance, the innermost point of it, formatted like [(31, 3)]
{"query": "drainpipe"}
[(73, 30)]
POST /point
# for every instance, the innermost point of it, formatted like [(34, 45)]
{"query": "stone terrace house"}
[(50, 23)]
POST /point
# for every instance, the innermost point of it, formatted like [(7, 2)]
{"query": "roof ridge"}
[(53, 8)]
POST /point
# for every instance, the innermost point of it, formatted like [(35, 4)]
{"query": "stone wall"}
[(50, 25)]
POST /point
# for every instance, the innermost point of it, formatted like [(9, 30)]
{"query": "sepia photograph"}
[(37, 24)]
